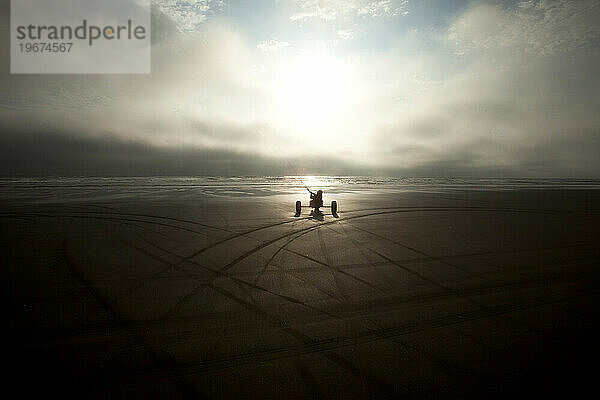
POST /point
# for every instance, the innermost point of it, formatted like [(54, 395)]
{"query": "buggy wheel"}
[(334, 207), (298, 207)]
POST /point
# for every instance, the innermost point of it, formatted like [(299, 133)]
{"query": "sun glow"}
[(314, 89)]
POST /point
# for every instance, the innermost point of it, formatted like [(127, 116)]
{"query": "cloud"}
[(499, 91), (49, 153), (196, 78), (523, 101), (272, 45), (189, 15), (346, 33), (537, 27), (343, 9)]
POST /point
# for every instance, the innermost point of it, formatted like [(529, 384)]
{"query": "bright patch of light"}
[(314, 89), (315, 183)]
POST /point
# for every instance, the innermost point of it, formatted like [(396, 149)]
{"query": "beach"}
[(213, 288)]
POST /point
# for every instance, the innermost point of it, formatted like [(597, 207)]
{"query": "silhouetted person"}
[(316, 199)]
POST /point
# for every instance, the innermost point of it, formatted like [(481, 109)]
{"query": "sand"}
[(143, 291)]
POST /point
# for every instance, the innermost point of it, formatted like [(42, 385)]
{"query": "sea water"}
[(74, 189)]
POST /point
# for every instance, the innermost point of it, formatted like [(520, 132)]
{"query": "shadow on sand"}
[(317, 214)]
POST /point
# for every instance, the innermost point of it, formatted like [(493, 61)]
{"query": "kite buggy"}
[(316, 202)]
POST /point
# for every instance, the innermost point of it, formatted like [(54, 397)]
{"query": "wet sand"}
[(436, 293)]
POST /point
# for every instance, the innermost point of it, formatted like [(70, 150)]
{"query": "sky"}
[(320, 87)]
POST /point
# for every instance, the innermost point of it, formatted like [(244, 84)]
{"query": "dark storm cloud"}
[(58, 154), (45, 153)]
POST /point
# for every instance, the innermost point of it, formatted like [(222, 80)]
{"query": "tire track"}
[(204, 284), (337, 343), (252, 307), (124, 214), (269, 242), (162, 359), (428, 257), (338, 270), (374, 382), (376, 306), (220, 273), (121, 219), (341, 289), (450, 290), (471, 208), (236, 236), (307, 342), (270, 260), (363, 254), (31, 221)]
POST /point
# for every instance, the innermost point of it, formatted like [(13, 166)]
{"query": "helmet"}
[(319, 191)]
